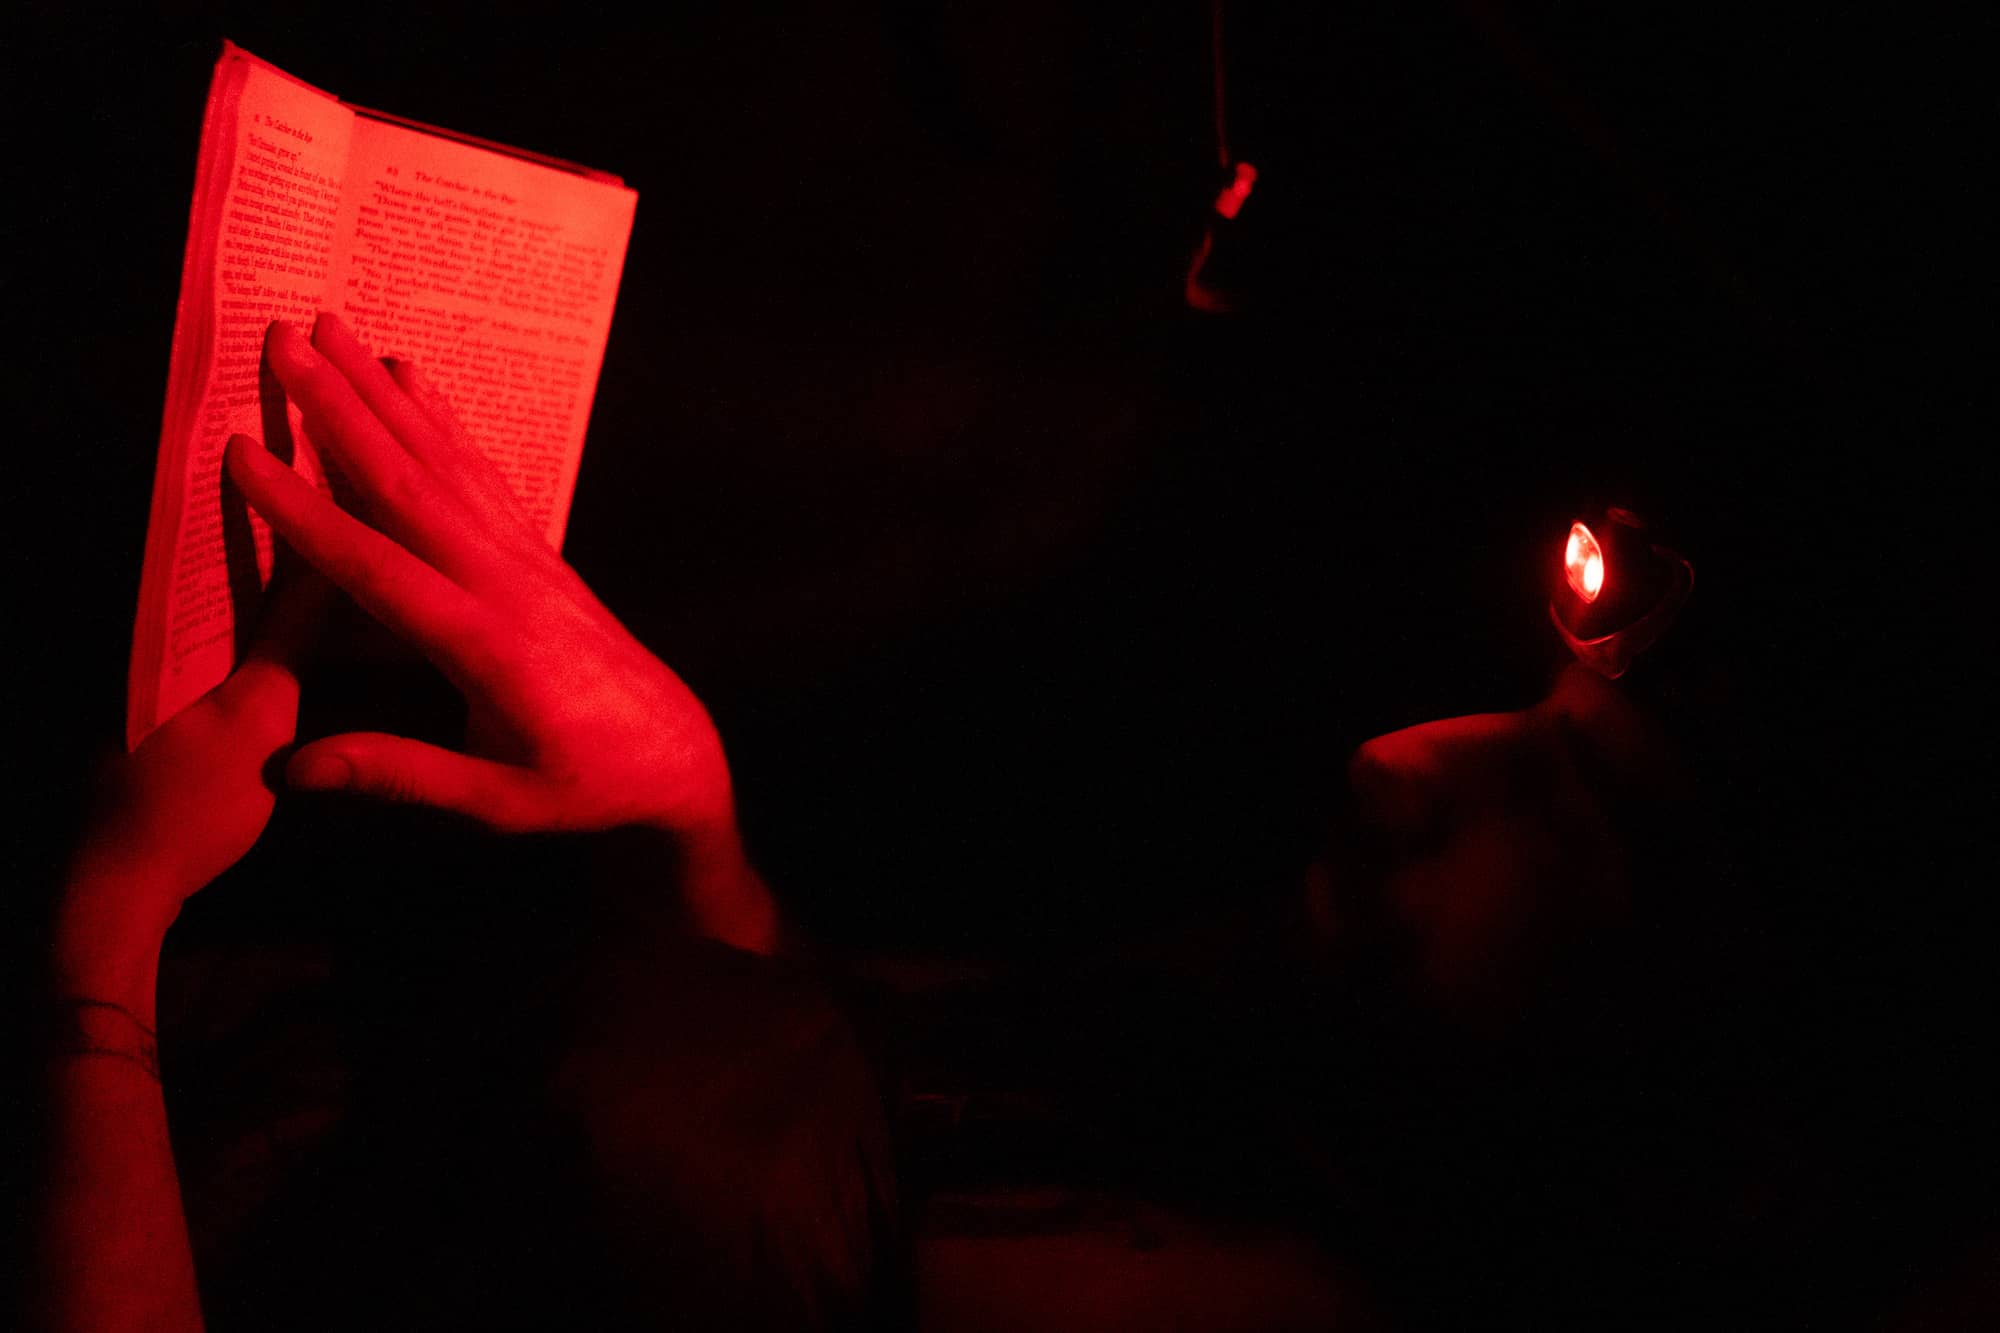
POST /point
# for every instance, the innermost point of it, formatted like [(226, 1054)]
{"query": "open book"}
[(493, 269)]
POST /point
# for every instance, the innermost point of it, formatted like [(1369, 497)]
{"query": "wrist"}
[(724, 896), (105, 942), (101, 1029)]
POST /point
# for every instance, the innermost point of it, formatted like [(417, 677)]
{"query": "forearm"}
[(113, 1241)]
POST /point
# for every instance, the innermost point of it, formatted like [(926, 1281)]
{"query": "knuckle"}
[(372, 564), (482, 652), (397, 785), (401, 488)]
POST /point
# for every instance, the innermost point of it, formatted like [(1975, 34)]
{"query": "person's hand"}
[(573, 724), (183, 807)]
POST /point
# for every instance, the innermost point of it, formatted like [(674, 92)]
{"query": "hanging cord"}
[(1218, 80), (1203, 288)]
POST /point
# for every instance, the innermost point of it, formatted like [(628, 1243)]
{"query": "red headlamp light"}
[(1619, 592)]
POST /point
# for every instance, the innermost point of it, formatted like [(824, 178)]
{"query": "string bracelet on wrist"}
[(97, 1028)]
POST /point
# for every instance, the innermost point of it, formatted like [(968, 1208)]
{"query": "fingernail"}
[(289, 351), (327, 322), (322, 771), (254, 455)]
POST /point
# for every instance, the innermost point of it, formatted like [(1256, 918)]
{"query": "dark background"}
[(1037, 610)]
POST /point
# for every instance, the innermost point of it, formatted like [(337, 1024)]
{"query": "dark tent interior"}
[(1040, 612)]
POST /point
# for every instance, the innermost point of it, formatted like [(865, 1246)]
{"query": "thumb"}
[(395, 768), (265, 684)]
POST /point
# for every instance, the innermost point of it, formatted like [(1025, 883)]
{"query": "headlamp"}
[(1619, 591)]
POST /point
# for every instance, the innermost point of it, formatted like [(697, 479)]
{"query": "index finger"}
[(403, 497), (295, 606), (414, 601)]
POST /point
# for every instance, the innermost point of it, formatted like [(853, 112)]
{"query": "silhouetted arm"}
[(114, 1243), (112, 1240)]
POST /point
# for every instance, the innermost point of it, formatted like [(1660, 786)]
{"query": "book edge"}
[(186, 371), (491, 146), (231, 51)]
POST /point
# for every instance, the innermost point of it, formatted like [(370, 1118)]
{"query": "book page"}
[(497, 276), (260, 242)]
